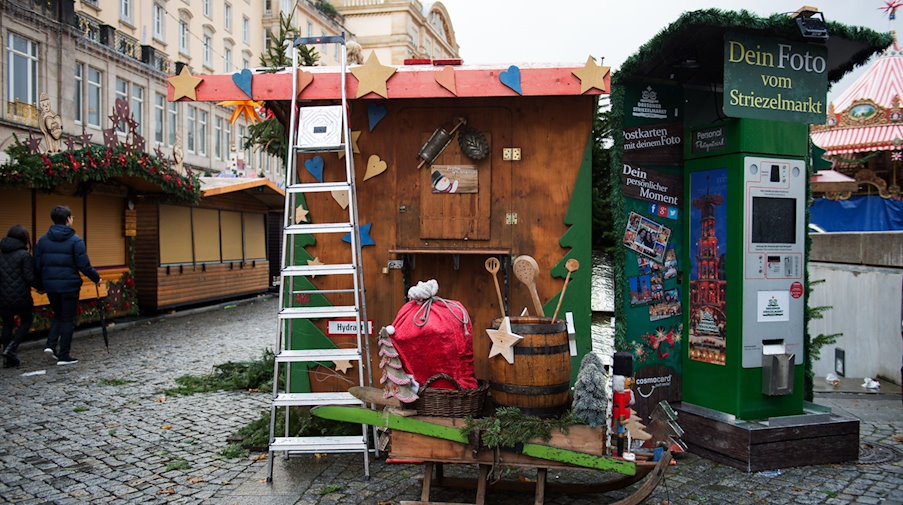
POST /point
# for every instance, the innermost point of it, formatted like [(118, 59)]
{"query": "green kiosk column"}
[(745, 181)]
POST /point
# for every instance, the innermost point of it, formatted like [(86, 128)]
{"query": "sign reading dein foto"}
[(775, 79)]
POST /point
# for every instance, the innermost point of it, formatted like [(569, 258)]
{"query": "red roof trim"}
[(406, 83)]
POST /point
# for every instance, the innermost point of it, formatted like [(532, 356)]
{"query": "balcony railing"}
[(127, 45), (24, 112), (89, 27), (95, 31)]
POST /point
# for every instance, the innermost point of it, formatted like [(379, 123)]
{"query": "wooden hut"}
[(188, 254), (101, 185), (529, 195)]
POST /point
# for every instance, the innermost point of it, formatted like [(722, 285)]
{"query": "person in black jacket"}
[(59, 257), (16, 278)]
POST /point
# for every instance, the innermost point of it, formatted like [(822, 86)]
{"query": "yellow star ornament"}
[(503, 341), (184, 85), (592, 76), (372, 77)]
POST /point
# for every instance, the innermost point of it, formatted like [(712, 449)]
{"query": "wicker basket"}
[(450, 403)]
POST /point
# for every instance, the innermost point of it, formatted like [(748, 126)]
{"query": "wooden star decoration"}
[(342, 365), (503, 341), (86, 139), (372, 77), (70, 143), (184, 85), (592, 76), (246, 108), (33, 143), (354, 147), (301, 214), (314, 262), (109, 138), (138, 142)]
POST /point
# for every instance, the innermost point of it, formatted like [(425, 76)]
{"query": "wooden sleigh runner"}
[(437, 441)]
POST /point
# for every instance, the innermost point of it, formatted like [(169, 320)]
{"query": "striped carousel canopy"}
[(867, 116)]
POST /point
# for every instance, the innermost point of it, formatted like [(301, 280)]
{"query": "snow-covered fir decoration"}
[(590, 396), (396, 382)]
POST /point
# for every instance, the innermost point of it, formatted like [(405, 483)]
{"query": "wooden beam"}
[(406, 83)]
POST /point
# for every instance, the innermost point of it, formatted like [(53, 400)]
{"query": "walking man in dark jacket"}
[(59, 257)]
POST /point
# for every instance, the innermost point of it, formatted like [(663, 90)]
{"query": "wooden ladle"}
[(492, 265), (527, 271), (571, 265)]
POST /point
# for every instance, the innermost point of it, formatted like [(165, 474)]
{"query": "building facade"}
[(86, 54), (397, 30)]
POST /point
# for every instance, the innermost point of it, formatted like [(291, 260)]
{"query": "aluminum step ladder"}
[(350, 277)]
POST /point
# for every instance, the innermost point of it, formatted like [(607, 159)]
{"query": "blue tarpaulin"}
[(864, 213)]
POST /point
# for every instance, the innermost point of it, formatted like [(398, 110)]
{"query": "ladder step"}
[(300, 229), (339, 269), (318, 312), (354, 443), (313, 355), (302, 399), (325, 39), (317, 187), (323, 291), (321, 149)]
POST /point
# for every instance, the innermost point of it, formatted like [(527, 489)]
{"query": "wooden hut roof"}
[(258, 188)]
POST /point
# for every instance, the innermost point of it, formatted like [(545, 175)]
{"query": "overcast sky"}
[(567, 31)]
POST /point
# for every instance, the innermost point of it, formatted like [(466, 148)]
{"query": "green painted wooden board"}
[(361, 415), (579, 459)]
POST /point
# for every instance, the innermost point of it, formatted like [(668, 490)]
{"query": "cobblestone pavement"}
[(96, 432)]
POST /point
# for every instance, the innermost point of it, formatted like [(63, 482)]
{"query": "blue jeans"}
[(64, 306)]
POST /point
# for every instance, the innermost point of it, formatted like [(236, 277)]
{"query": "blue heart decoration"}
[(511, 78), (315, 167), (376, 113), (366, 239), (243, 80)]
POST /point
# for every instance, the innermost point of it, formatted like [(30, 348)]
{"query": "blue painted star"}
[(366, 239)]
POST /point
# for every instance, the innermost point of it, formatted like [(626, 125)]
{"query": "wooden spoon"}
[(492, 265), (527, 271), (572, 265)]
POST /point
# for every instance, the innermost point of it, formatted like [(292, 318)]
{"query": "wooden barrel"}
[(539, 381)]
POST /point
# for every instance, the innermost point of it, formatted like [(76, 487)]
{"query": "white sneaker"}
[(49, 352), (69, 361)]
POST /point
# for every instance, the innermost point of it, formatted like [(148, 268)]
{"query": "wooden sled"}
[(437, 441), (435, 453)]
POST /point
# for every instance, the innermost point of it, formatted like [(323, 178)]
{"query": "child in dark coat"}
[(16, 278)]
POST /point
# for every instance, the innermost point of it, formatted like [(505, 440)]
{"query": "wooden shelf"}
[(483, 252)]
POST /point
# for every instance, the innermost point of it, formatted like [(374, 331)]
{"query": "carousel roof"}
[(859, 139), (866, 116), (880, 83)]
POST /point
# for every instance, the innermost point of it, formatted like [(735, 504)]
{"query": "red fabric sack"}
[(434, 335)]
